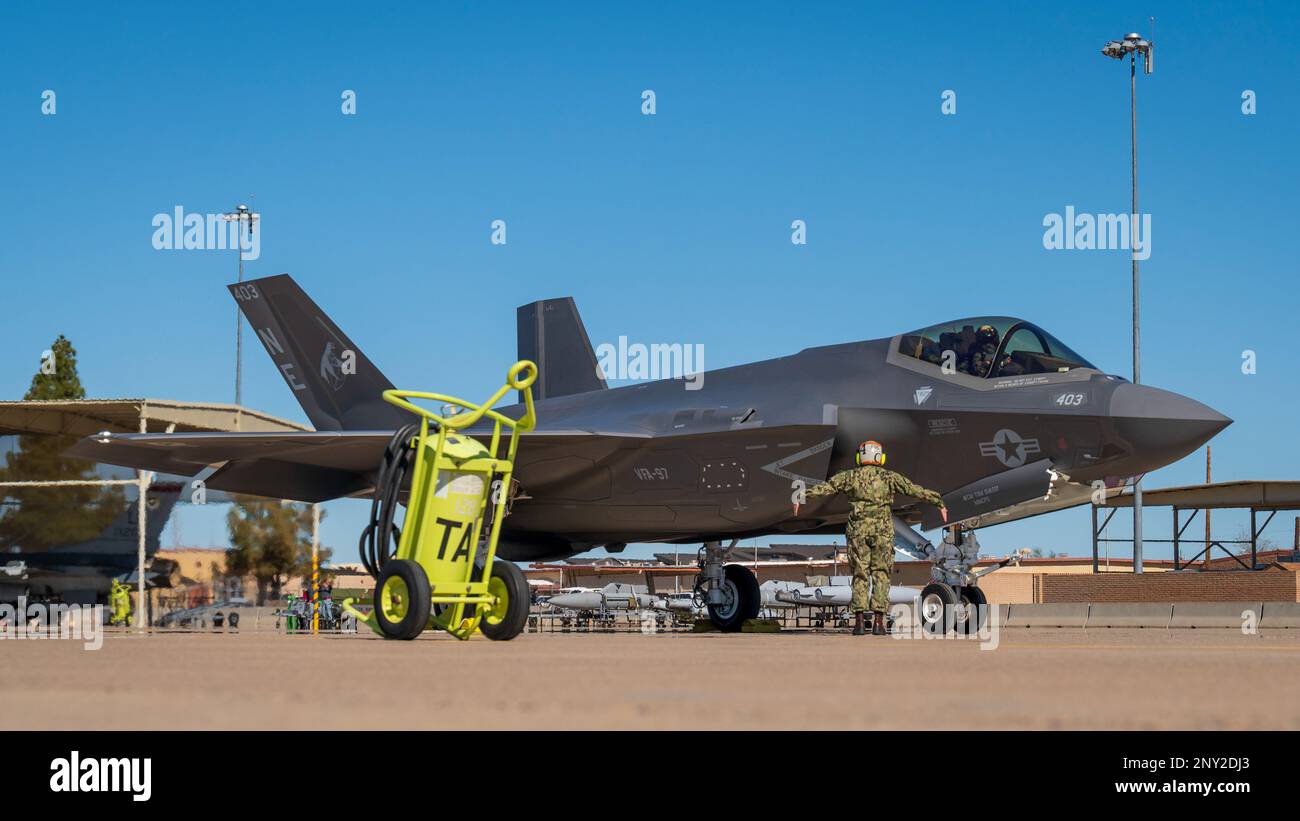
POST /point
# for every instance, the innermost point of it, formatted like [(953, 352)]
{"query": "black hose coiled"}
[(380, 537)]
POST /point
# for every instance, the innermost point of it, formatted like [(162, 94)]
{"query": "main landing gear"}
[(729, 591)]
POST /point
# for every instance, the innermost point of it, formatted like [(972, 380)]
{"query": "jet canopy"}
[(990, 347)]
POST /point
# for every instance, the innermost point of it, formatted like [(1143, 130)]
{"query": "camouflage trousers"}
[(871, 559)]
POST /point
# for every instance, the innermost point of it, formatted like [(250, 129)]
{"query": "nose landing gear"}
[(953, 601), (945, 608)]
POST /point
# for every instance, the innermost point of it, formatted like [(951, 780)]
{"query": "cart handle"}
[(520, 377)]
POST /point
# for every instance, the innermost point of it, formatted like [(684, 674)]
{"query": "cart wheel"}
[(402, 599), (507, 619)]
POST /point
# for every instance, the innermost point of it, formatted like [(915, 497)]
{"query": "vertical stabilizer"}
[(552, 335)]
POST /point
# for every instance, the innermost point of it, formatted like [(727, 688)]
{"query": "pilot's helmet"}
[(987, 334), (871, 453)]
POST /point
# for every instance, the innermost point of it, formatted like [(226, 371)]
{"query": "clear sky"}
[(666, 228)]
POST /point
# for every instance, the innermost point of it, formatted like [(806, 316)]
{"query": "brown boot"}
[(859, 629), (879, 627)]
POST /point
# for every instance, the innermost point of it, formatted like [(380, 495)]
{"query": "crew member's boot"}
[(878, 628), (859, 628)]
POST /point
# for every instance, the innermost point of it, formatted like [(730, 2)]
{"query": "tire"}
[(232, 620), (972, 612), (507, 582), (936, 608), (402, 599), (743, 599)]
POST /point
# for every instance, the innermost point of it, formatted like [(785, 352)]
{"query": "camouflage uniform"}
[(870, 529)]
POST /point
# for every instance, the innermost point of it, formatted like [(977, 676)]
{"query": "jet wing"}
[(316, 466), (308, 466)]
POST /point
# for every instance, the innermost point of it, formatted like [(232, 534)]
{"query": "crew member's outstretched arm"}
[(901, 484), (830, 487)]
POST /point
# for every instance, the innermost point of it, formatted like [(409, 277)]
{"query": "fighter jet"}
[(82, 572), (995, 412)]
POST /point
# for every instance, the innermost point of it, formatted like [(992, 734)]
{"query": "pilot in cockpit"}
[(984, 350)]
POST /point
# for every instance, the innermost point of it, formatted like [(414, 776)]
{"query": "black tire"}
[(415, 612), (232, 620), (743, 599), (972, 614), (517, 603), (935, 608)]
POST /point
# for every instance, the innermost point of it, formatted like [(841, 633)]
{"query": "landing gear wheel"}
[(937, 603), (741, 599), (402, 599), (971, 612), (508, 618), (233, 620)]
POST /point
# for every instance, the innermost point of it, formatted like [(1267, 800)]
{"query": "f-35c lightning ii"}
[(996, 413)]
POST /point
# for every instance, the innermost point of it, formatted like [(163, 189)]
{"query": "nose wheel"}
[(945, 609), (938, 601), (972, 610)]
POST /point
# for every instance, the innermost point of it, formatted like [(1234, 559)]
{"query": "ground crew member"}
[(119, 597), (870, 489)]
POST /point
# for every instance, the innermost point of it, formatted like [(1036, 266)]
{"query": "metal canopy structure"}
[(1256, 496), (85, 417)]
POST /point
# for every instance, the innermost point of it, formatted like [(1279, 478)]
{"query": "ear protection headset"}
[(870, 453)]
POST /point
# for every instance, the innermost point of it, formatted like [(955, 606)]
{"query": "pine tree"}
[(63, 382), (37, 518)]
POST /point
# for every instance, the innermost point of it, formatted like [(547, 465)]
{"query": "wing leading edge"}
[(316, 466)]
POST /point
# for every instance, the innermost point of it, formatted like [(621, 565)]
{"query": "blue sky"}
[(673, 227)]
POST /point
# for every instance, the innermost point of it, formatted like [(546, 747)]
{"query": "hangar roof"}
[(1260, 495), (83, 417)]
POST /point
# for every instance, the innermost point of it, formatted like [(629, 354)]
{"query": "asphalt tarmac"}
[(1041, 678)]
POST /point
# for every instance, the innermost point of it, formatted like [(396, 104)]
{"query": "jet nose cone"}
[(1161, 427)]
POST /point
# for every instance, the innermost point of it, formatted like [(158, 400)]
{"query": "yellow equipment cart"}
[(443, 573)]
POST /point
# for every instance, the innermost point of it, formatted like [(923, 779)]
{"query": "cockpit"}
[(991, 347)]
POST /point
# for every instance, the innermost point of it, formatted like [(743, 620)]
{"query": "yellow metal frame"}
[(460, 591)]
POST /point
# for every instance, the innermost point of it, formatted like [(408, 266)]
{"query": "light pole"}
[(242, 215), (1132, 45)]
